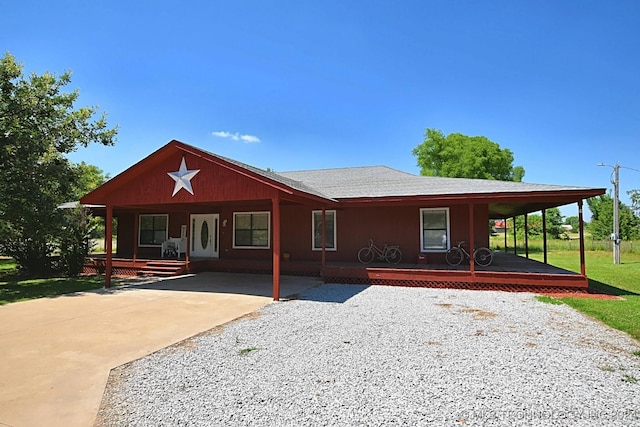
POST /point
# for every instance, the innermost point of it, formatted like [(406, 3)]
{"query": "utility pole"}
[(616, 214), (615, 237)]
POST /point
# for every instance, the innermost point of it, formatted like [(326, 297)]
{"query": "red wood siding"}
[(126, 235), (394, 225), (212, 184)]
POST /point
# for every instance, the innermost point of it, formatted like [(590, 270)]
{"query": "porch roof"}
[(383, 181), (505, 198)]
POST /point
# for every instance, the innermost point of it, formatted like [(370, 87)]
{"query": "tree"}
[(553, 218), (574, 222), (635, 201), (87, 178), (460, 156), (39, 126), (74, 239), (601, 225)]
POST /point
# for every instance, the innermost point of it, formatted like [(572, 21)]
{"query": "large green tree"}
[(87, 178), (601, 224), (39, 126), (461, 156)]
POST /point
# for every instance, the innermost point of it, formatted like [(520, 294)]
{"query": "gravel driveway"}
[(357, 355)]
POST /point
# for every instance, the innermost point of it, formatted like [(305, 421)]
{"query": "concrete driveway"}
[(56, 353)]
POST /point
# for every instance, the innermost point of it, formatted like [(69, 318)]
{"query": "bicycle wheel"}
[(454, 256), (366, 255), (394, 256), (483, 257)]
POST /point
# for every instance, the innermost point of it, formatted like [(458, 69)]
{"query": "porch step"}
[(163, 268)]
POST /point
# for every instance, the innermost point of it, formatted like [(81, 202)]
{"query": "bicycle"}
[(390, 253), (481, 256)]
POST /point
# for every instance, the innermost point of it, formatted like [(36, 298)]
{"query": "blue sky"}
[(292, 85)]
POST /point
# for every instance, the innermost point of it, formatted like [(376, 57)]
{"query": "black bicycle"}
[(481, 256), (390, 253)]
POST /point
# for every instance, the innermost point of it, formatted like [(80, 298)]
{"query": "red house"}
[(193, 210)]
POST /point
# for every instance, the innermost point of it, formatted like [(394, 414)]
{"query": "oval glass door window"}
[(204, 235)]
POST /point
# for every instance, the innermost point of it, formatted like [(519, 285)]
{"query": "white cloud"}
[(249, 139), (221, 134)]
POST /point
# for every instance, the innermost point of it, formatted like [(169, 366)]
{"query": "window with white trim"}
[(330, 230), (153, 230), (434, 229), (252, 230)]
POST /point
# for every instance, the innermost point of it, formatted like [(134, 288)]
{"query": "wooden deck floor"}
[(502, 262), (507, 272)]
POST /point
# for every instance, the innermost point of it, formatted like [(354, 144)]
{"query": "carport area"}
[(56, 353)]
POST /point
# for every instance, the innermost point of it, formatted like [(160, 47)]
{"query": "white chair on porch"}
[(173, 247)]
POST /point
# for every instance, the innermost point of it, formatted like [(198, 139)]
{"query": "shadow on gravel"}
[(332, 293)]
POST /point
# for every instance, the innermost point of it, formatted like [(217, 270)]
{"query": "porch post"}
[(544, 234), (276, 247), (324, 237), (506, 245), (472, 243), (526, 236), (136, 230), (187, 249), (108, 244), (583, 268), (515, 240)]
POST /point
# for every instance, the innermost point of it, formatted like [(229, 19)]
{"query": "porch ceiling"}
[(509, 210)]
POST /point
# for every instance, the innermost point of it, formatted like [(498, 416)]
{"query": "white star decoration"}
[(183, 178)]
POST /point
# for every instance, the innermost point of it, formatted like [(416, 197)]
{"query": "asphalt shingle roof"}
[(279, 178), (382, 181)]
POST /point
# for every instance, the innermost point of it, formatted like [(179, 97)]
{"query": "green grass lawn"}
[(622, 280), (15, 288), (7, 267)]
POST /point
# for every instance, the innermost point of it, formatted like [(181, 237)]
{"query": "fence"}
[(535, 245)]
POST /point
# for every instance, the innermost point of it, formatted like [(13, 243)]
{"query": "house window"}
[(153, 230), (330, 230), (434, 225), (251, 230)]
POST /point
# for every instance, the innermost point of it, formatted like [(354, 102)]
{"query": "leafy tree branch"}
[(39, 125)]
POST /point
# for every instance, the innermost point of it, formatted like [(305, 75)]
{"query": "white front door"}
[(204, 239)]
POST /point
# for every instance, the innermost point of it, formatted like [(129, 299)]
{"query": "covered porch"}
[(508, 272)]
